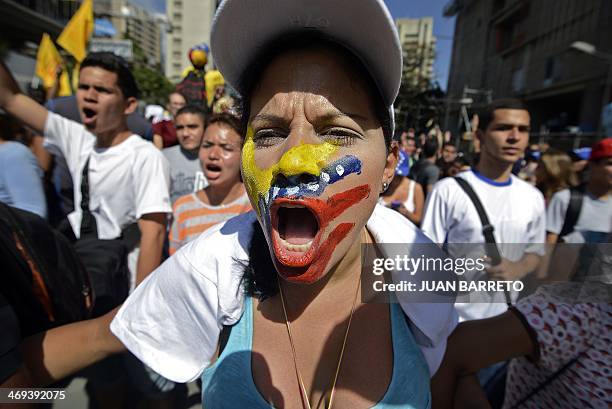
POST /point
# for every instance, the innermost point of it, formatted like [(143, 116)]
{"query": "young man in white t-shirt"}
[(128, 177), (515, 209)]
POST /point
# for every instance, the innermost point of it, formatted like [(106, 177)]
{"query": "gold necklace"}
[(303, 392)]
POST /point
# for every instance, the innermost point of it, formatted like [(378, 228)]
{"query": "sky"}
[(443, 27)]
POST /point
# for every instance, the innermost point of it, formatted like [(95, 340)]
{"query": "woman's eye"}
[(340, 137), (268, 137)]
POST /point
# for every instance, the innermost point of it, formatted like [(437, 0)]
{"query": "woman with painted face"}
[(224, 197), (276, 295)]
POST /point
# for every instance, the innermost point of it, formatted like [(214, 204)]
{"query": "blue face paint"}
[(332, 173)]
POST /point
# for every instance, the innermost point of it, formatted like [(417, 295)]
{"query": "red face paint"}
[(308, 266)]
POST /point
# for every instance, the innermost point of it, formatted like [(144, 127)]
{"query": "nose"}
[(214, 153)]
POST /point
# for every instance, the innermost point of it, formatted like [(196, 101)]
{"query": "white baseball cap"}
[(241, 28)]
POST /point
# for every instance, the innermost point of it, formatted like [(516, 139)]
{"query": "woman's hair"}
[(558, 173), (259, 276), (306, 41), (227, 119)]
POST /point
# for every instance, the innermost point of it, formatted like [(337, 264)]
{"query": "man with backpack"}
[(121, 182), (499, 209), (127, 178), (582, 215)]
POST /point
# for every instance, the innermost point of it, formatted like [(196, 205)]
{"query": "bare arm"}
[(419, 202), (152, 230), (45, 159), (59, 352), (158, 141), (20, 106), (515, 270), (475, 345)]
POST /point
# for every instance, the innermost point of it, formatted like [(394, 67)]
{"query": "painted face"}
[(313, 160), (507, 136), (220, 155), (189, 130), (101, 103)]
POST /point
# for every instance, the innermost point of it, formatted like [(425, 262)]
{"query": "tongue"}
[(300, 226)]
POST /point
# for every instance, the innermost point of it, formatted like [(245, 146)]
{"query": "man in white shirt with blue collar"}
[(515, 209)]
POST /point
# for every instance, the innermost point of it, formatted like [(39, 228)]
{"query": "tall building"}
[(522, 49), (419, 48), (136, 23), (190, 21)]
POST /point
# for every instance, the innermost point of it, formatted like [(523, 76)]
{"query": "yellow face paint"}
[(305, 158)]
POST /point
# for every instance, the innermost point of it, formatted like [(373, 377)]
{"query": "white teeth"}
[(339, 170), (292, 190), (324, 177), (313, 187), (296, 247)]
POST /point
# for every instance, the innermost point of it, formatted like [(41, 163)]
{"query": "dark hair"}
[(192, 109), (116, 64), (485, 117), (230, 120), (10, 129), (303, 41), (259, 274), (430, 147), (445, 144)]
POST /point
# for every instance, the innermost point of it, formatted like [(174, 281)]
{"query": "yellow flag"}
[(48, 61), (78, 31), (64, 85)]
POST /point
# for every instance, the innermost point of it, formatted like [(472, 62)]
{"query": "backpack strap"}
[(487, 228), (573, 212), (89, 227)]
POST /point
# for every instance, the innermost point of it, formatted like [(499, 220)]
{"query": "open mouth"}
[(89, 115), (213, 171), (295, 232)]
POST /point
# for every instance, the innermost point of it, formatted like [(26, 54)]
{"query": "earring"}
[(385, 186)]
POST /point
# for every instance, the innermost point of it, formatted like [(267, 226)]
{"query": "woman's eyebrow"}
[(270, 119), (340, 115)]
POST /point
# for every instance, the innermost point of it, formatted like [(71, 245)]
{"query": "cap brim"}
[(241, 28)]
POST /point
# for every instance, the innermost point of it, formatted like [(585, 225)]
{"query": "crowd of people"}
[(237, 229)]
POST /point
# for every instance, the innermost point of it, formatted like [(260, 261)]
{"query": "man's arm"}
[(158, 141), (56, 353), (20, 106), (515, 270), (475, 345), (152, 233)]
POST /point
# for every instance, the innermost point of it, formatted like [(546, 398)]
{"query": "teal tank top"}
[(228, 383)]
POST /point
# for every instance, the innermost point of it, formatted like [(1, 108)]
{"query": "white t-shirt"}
[(126, 181), (173, 319), (514, 208), (595, 217)]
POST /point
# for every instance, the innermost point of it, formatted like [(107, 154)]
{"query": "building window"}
[(178, 4), (177, 16)]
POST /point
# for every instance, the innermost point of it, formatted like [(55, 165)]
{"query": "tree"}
[(154, 86)]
